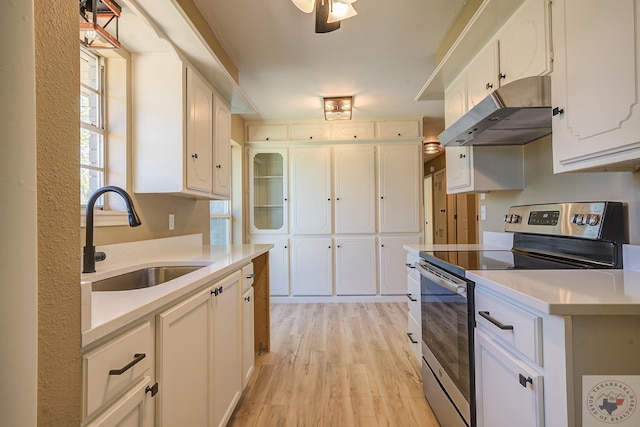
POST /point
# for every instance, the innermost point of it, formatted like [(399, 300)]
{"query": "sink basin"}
[(143, 278)]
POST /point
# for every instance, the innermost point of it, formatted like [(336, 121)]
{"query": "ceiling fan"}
[(329, 13)]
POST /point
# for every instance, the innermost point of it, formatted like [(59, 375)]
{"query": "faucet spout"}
[(89, 253)]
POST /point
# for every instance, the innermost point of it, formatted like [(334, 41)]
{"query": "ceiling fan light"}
[(341, 11), (307, 6)]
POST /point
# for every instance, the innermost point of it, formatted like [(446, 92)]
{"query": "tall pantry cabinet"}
[(329, 209)]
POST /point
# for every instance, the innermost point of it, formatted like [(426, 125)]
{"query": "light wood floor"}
[(336, 365)]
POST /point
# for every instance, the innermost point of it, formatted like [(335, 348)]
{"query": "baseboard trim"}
[(337, 299)]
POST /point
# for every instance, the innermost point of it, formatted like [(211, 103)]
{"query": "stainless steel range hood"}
[(515, 114)]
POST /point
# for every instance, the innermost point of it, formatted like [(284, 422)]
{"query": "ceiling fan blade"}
[(322, 14)]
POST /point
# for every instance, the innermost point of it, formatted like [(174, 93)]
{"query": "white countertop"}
[(567, 292), (106, 312)]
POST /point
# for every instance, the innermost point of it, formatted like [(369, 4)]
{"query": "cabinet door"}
[(248, 350), (199, 132), (455, 100), (267, 133), (129, 410), (508, 391), (184, 362), (311, 270), (458, 167), (355, 193), (393, 269), (601, 118), (398, 128), (352, 130), (227, 348), (278, 263), (399, 188), (525, 43), (222, 150), (310, 132), (268, 198), (482, 74), (356, 266), (311, 190)]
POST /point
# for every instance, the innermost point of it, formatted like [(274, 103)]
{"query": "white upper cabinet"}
[(222, 149), (265, 133), (310, 131), (199, 132), (455, 100), (350, 130), (525, 43), (482, 74), (355, 191), (398, 188), (311, 199), (398, 128), (596, 85)]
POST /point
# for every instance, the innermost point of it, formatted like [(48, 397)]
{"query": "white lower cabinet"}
[(414, 317), (311, 266), (356, 266), (509, 392), (393, 271), (199, 360), (128, 411), (278, 262), (248, 348)]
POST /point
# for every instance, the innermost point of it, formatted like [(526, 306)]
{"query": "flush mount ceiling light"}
[(329, 13), (95, 16), (338, 108), (431, 147)]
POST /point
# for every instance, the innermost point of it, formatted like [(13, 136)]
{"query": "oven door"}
[(446, 343)]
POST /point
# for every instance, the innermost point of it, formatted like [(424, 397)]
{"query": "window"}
[(92, 124), (220, 222)]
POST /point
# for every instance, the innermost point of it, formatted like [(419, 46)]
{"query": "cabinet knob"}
[(399, 134), (381, 197), (311, 137), (337, 198), (502, 76), (286, 200), (152, 389), (355, 136), (218, 166), (266, 139), (194, 156), (524, 380), (247, 299), (489, 86), (462, 156), (329, 199), (557, 110)]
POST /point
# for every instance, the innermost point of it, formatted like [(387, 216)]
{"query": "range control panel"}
[(590, 220)]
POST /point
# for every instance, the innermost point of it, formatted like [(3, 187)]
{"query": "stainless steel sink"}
[(143, 278)]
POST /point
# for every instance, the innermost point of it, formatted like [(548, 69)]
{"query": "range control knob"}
[(506, 218), (579, 219), (593, 219)]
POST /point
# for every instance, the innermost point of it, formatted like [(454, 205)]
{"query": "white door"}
[(355, 191), (278, 263), (222, 150), (248, 350), (227, 348), (428, 209), (311, 190), (184, 362), (199, 133), (508, 391), (393, 259), (311, 260), (356, 265), (399, 181)]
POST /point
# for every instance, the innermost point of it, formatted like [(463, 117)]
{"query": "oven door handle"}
[(451, 286)]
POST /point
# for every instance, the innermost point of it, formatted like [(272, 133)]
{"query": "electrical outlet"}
[(172, 224)]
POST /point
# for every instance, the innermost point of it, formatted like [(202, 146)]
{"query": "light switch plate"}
[(172, 223)]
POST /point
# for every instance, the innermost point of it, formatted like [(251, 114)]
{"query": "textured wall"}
[(57, 135)]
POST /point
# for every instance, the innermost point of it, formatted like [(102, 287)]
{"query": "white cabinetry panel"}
[(266, 133), (311, 190), (352, 130), (356, 266), (311, 261), (398, 128), (355, 192), (222, 149), (199, 132), (393, 270), (310, 131)]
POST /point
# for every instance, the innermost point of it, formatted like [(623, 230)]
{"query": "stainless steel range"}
[(545, 236)]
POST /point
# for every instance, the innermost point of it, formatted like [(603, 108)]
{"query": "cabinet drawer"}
[(247, 277), (413, 295), (116, 366), (411, 270), (513, 326)]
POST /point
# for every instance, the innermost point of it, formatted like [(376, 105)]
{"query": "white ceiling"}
[(383, 56)]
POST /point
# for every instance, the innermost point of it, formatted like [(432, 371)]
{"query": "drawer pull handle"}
[(410, 265), (410, 335), (499, 324), (524, 380), (251, 276), (136, 358), (411, 298)]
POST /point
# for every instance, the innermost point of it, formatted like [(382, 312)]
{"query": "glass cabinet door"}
[(268, 190)]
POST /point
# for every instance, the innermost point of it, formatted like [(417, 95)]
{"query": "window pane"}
[(220, 231), (90, 180), (91, 149), (89, 70), (220, 207), (89, 107)]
